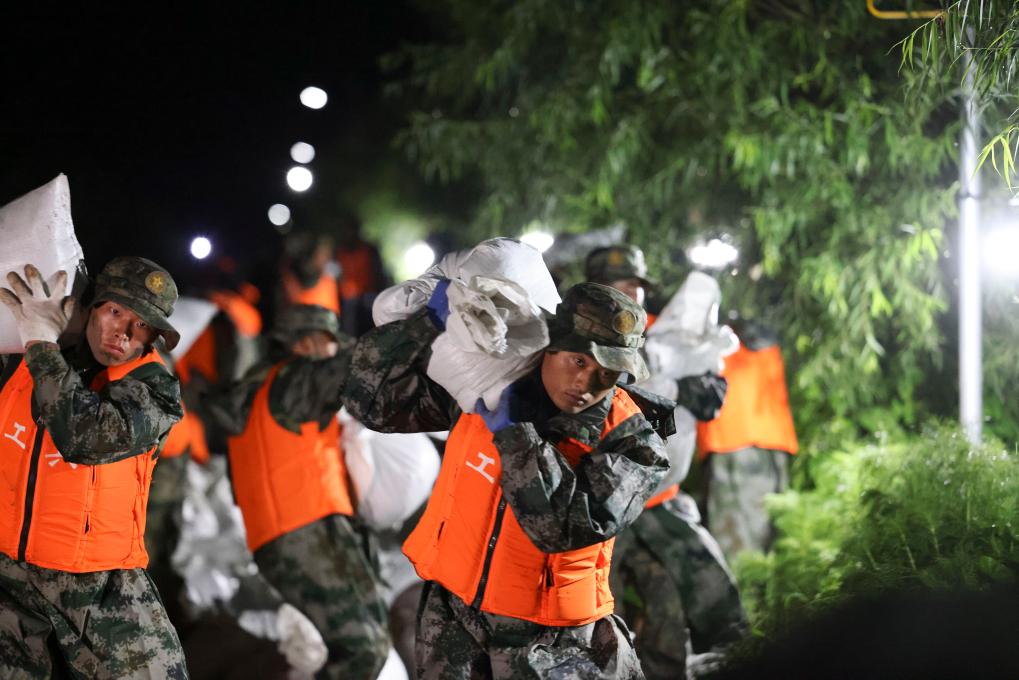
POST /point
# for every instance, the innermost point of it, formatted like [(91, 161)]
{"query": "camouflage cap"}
[(601, 321), (297, 320), (616, 263), (145, 288)]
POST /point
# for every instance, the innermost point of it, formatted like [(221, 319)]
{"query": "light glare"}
[(201, 247), (714, 254), (279, 214), (302, 152), (418, 258), (299, 178), (1000, 248), (539, 240), (314, 97)]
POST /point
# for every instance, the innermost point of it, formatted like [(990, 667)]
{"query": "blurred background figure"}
[(362, 276), (309, 274), (749, 445)]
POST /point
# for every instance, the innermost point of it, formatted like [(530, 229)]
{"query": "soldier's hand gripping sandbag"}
[(702, 395), (40, 308)]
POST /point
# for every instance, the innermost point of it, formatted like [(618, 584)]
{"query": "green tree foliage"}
[(924, 512), (781, 123)]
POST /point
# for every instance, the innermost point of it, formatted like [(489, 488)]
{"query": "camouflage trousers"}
[(104, 624), (737, 485), (673, 587), (457, 642), (325, 570)]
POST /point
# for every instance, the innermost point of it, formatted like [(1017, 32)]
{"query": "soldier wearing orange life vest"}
[(516, 540), (290, 482), (686, 595), (79, 432)]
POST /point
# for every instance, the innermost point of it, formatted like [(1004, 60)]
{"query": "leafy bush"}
[(924, 511)]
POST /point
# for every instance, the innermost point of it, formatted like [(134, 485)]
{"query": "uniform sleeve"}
[(564, 508), (307, 390), (124, 419), (388, 389)]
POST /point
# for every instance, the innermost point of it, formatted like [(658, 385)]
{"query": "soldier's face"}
[(574, 380), (116, 335), (315, 345), (632, 288)]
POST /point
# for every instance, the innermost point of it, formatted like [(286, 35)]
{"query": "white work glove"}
[(300, 641), (39, 307)]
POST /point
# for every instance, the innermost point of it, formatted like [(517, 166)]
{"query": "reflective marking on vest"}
[(485, 462), (56, 457), (15, 436)]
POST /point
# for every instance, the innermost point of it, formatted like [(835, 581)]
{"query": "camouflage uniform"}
[(671, 581), (105, 624), (560, 507), (327, 568)]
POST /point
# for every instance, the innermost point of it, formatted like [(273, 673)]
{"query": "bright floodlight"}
[(200, 247), (299, 178), (1000, 248), (314, 97), (302, 152), (539, 240), (418, 258), (279, 214), (714, 254)]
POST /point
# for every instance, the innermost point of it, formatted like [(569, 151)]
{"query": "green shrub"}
[(921, 511)]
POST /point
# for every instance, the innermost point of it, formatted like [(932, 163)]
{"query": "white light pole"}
[(971, 381)]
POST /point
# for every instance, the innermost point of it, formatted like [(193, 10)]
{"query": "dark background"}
[(172, 123)]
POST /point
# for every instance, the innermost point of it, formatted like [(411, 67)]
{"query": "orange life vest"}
[(756, 408), (68, 516), (188, 435), (242, 313), (282, 480), (358, 268), (325, 292), (469, 540)]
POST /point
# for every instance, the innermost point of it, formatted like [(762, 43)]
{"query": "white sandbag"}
[(191, 316), (37, 229), (494, 335), (502, 257), (392, 474)]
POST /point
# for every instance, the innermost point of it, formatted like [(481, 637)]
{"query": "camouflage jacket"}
[(559, 507), (123, 419), (305, 390)]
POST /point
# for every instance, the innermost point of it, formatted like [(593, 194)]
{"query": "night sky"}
[(173, 123)]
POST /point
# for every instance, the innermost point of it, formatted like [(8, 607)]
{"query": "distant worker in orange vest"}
[(749, 445), (682, 592), (290, 482), (362, 276), (79, 433), (516, 541), (309, 274)]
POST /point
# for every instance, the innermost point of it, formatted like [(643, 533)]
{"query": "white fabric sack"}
[(494, 335), (191, 316), (392, 474), (502, 257), (36, 229)]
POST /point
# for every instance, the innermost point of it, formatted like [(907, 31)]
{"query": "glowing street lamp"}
[(418, 258), (314, 97), (201, 247), (539, 240), (299, 178), (302, 152), (279, 214), (1000, 248), (715, 254)]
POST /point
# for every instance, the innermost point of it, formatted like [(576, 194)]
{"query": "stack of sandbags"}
[(496, 327), (37, 229)]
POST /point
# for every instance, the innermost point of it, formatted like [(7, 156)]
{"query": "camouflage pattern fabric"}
[(106, 624), (123, 419), (325, 570), (737, 485), (673, 587), (458, 642)]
